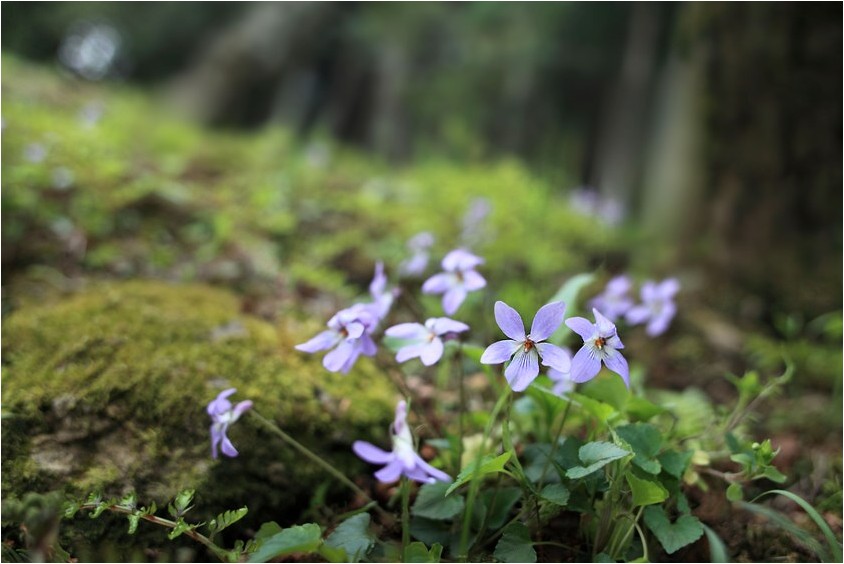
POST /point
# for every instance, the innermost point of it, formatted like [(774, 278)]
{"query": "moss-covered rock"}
[(107, 390)]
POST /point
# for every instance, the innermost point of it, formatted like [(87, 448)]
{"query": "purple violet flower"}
[(418, 245), (424, 341), (600, 343), (382, 299), (222, 414), (563, 383), (658, 307), (527, 350), (459, 278), (403, 460), (614, 301), (349, 335)]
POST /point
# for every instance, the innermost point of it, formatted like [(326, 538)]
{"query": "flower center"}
[(529, 345), (600, 342)]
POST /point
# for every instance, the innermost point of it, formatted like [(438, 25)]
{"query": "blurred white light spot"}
[(90, 50)]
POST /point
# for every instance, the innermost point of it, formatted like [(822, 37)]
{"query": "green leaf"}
[(557, 494), (353, 536), (603, 557), (672, 536), (568, 293), (646, 440), (181, 527), (515, 545), (611, 391), (834, 545), (645, 491), (181, 504), (640, 409), (498, 505), (418, 552), (479, 469), (333, 554), (675, 463), (134, 519), (717, 549), (787, 525), (595, 456), (773, 474), (304, 539), (267, 530), (601, 411), (432, 503), (226, 519), (734, 492), (128, 501), (70, 509), (430, 531)]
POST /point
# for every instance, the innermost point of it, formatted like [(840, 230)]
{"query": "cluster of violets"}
[(351, 331), (656, 310)]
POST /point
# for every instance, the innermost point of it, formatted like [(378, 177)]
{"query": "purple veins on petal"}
[(584, 366), (523, 369), (526, 350), (499, 352), (601, 345)]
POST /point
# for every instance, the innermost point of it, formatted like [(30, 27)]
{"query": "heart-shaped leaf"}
[(672, 536)]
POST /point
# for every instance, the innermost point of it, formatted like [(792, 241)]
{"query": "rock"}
[(106, 390)]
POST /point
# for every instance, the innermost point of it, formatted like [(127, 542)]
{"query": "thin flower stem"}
[(639, 530), (405, 516), (554, 446), (458, 365), (316, 459), (474, 484), (218, 551), (626, 537)]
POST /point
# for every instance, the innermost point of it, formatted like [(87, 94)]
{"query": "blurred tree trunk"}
[(768, 217), (620, 143)]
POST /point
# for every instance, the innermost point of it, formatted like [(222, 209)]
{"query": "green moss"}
[(107, 390)]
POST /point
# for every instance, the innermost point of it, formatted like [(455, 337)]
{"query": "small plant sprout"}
[(614, 302), (600, 344), (403, 460), (349, 335), (223, 414), (657, 308), (527, 350), (459, 278), (424, 341)]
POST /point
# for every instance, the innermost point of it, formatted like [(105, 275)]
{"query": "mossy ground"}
[(106, 391)]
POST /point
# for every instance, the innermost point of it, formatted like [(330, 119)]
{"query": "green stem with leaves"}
[(316, 459), (474, 484), (218, 551)]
